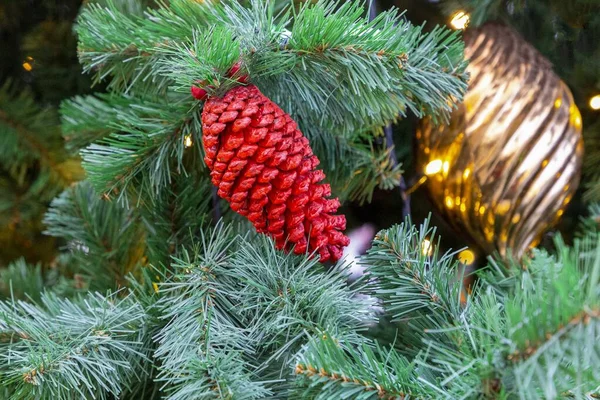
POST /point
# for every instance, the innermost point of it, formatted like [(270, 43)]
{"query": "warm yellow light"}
[(575, 116), (28, 63), (187, 141), (595, 102), (445, 167), (433, 167), (449, 202), (557, 102), (466, 256), (560, 213), (516, 218), (460, 20), (463, 207), (503, 207), (481, 209), (426, 247), (466, 173)]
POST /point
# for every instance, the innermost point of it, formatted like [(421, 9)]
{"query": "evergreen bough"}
[(153, 298)]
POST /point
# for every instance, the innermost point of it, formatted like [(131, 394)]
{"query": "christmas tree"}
[(228, 145)]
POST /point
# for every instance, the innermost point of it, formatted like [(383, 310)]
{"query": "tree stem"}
[(215, 204), (389, 140)]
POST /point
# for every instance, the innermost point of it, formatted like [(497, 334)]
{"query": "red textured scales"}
[(264, 167)]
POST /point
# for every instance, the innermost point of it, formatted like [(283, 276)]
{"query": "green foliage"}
[(23, 281), (415, 286), (238, 310), (216, 312), (20, 279), (201, 347), (62, 349), (105, 238), (329, 369), (33, 169), (175, 217), (528, 330), (339, 75)]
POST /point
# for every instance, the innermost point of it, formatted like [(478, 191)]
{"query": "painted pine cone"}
[(264, 167)]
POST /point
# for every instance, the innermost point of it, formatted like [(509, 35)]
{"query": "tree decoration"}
[(508, 163), (264, 167)]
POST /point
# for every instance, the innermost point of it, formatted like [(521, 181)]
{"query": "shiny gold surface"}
[(509, 162)]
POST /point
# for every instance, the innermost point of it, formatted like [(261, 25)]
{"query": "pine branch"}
[(262, 301), (31, 133), (338, 81), (71, 349), (534, 335), (106, 238), (286, 296), (147, 141), (23, 281), (85, 119), (19, 279), (367, 62), (201, 346), (414, 282), (329, 369), (173, 218), (126, 47)]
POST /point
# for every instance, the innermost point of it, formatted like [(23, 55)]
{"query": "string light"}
[(460, 20), (187, 141), (433, 167), (27, 66), (466, 256), (595, 102), (426, 247)]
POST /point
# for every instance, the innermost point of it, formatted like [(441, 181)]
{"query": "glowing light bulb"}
[(426, 247), (466, 256), (595, 102), (27, 64), (433, 167), (460, 20), (187, 141)]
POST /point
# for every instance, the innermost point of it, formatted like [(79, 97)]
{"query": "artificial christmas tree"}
[(165, 291)]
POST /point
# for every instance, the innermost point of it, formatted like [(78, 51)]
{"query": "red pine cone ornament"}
[(264, 167)]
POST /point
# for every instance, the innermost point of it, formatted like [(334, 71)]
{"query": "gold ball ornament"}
[(508, 163)]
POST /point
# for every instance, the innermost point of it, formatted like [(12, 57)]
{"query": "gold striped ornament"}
[(508, 163)]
